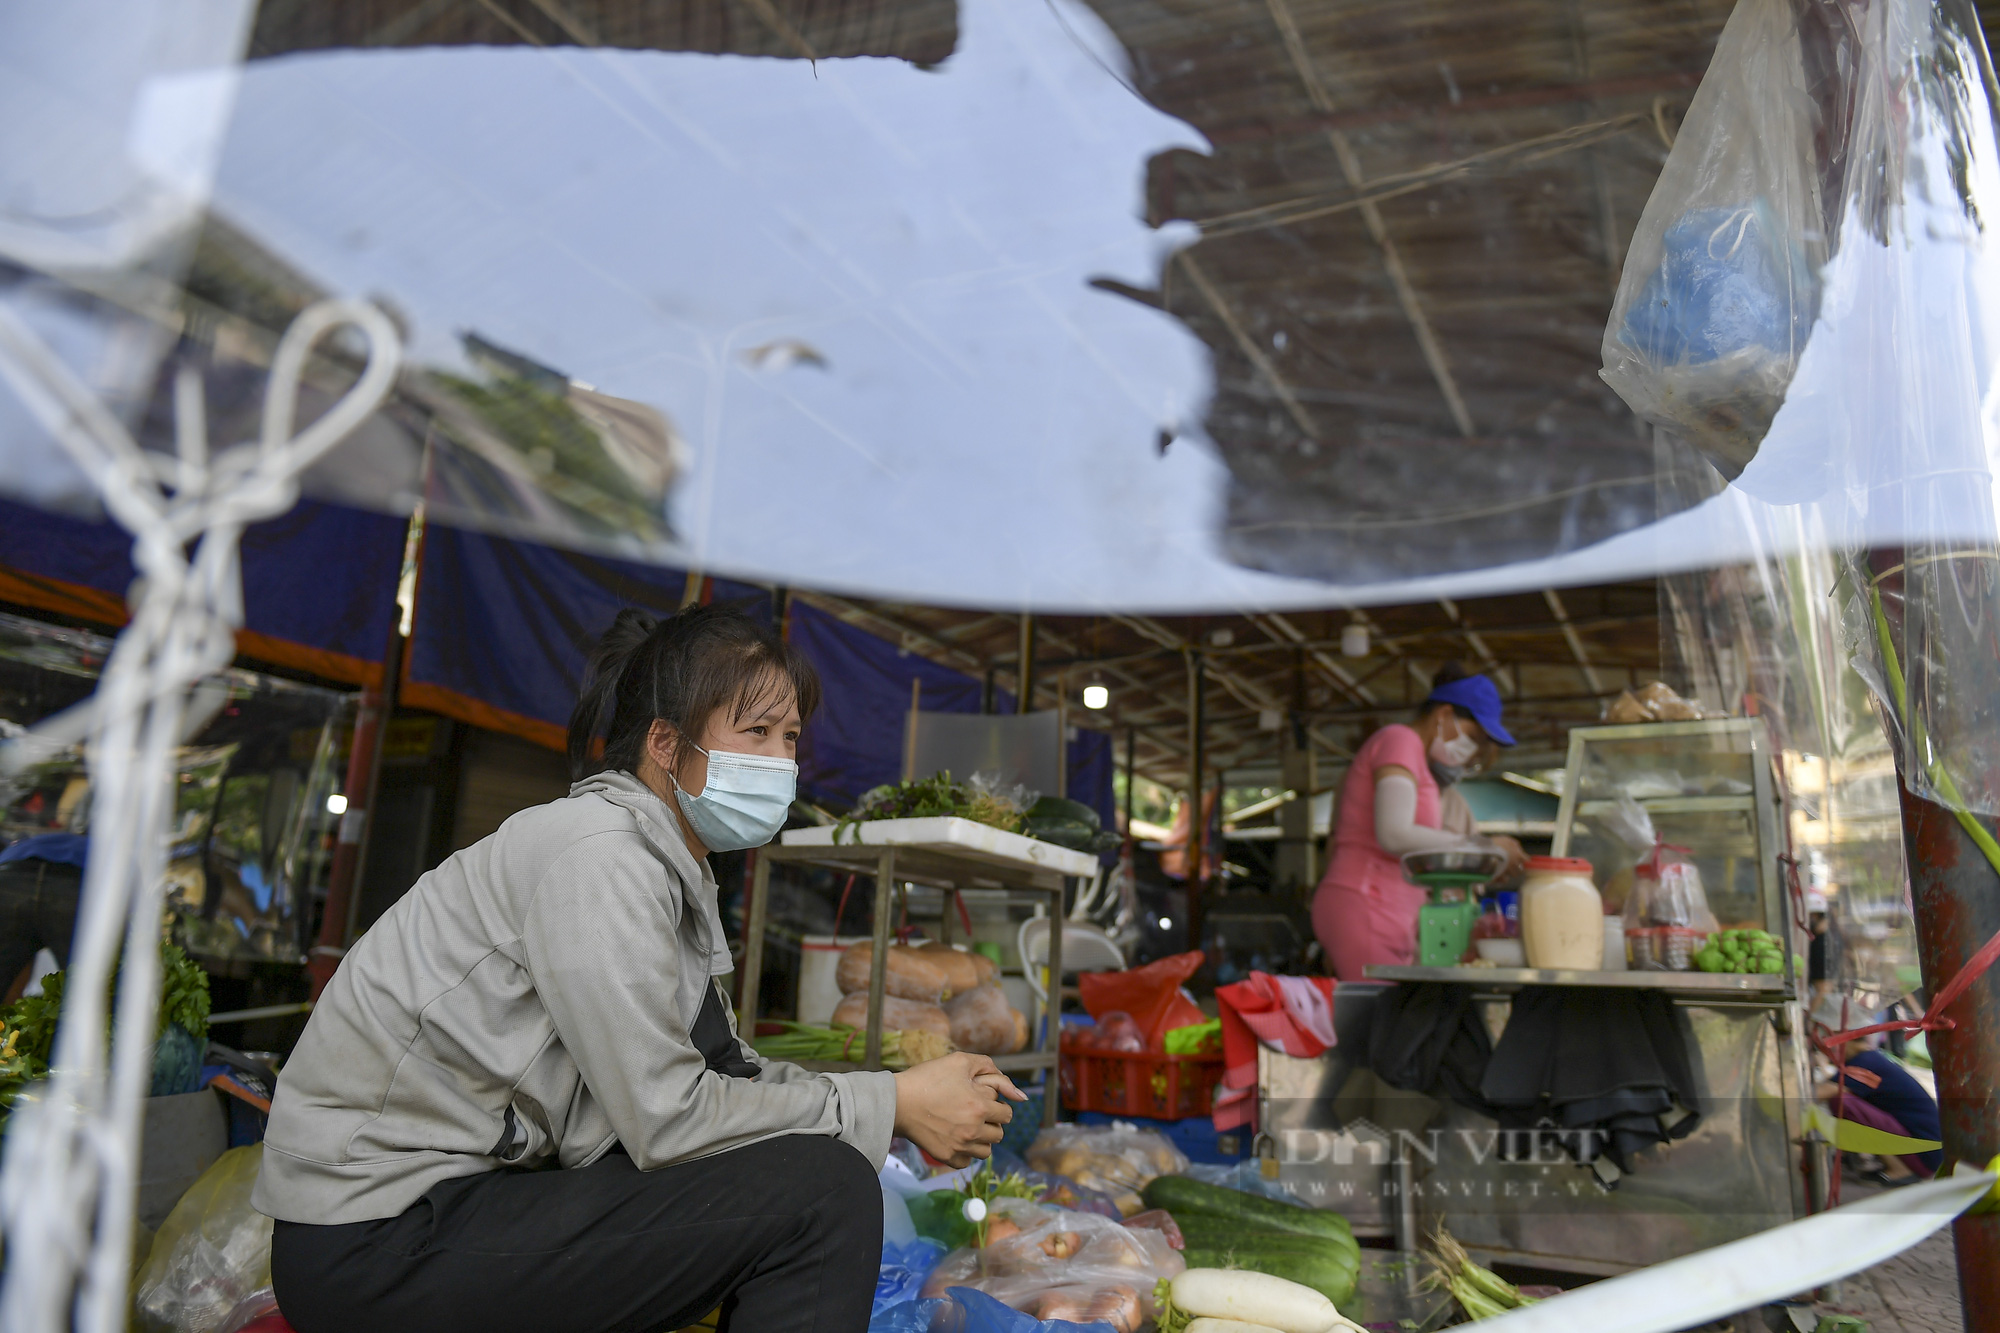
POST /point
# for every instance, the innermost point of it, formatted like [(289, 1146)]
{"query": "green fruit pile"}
[(1745, 951)]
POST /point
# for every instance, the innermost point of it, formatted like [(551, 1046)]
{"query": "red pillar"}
[(1955, 898)]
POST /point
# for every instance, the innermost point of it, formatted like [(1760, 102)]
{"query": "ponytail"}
[(680, 670)]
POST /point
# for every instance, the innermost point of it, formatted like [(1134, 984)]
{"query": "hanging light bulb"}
[(1095, 696), (1354, 640)]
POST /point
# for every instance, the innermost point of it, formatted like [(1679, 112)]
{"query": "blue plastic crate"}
[(1194, 1136)]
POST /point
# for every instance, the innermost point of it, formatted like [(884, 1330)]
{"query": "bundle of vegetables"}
[(1067, 823), (1226, 1300), (1480, 1292), (29, 1028), (1225, 1228), (1745, 951), (809, 1041), (934, 988), (981, 800)]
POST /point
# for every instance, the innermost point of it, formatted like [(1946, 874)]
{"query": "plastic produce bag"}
[(1721, 287), (1057, 1264), (1150, 995), (1667, 917), (969, 1311), (210, 1267), (1117, 1159), (904, 1268)]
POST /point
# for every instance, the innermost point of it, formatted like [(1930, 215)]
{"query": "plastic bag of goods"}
[(898, 1015), (963, 969), (209, 1270), (982, 1020), (1667, 917), (1116, 1159), (1721, 287), (1153, 996), (910, 974), (967, 1311), (1056, 1264)]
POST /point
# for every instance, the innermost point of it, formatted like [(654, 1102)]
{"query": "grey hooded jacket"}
[(530, 1003)]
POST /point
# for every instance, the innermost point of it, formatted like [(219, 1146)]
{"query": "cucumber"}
[(1215, 1233), (1185, 1197), (1309, 1264)]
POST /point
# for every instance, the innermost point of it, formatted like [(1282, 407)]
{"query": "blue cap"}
[(1479, 697)]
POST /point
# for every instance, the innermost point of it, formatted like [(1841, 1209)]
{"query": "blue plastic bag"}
[(965, 1310), (904, 1268)]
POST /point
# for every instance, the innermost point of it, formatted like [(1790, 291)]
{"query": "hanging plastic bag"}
[(210, 1267), (1721, 283)]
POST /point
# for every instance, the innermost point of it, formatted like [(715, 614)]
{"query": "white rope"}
[(67, 1195)]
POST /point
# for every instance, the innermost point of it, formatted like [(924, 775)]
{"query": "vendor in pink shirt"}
[(1396, 799)]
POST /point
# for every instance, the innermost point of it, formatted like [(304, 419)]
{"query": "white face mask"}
[(1456, 752), (743, 803)]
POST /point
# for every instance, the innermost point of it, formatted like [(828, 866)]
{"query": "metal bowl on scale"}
[(1452, 870)]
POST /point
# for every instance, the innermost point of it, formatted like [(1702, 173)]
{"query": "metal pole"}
[(364, 772), (1197, 826), (1957, 909), (756, 912), (1052, 1034), (1131, 780), (878, 965), (1024, 675)]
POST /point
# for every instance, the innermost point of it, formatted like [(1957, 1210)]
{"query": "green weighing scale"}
[(1444, 928)]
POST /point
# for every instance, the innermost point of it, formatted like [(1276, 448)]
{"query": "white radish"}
[(1254, 1298), (1208, 1324)]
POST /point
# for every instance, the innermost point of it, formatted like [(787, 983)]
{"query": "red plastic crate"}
[(1156, 1086)]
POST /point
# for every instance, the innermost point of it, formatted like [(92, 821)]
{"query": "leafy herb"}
[(930, 798), (29, 1024)]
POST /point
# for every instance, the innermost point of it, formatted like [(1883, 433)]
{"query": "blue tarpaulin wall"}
[(503, 627), (319, 583)]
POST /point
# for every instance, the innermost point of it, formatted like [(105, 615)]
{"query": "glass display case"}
[(249, 836), (1708, 787)]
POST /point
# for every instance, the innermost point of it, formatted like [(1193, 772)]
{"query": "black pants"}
[(37, 911), (785, 1236)]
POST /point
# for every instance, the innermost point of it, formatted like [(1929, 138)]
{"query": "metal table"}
[(945, 853)]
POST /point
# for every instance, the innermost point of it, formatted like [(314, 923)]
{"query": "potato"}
[(911, 974), (1021, 1034), (989, 971), (961, 973), (983, 1021), (898, 1013)]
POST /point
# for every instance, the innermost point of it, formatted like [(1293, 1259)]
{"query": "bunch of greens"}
[(29, 1024), (1480, 1292), (810, 1041), (933, 797)]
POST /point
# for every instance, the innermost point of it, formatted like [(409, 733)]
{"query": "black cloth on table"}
[(1600, 1072), (1427, 1037)]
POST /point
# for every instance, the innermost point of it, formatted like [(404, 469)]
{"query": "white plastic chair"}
[(1085, 948)]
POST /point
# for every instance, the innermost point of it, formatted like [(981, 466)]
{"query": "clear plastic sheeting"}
[(1069, 305)]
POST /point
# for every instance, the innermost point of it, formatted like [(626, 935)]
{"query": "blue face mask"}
[(744, 802)]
